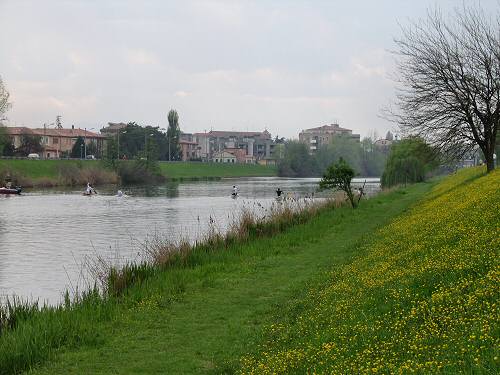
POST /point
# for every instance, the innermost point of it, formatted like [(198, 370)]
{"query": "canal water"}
[(47, 236)]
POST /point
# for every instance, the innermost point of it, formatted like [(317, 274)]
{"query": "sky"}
[(283, 66)]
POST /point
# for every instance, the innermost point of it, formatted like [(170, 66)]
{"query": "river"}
[(47, 235)]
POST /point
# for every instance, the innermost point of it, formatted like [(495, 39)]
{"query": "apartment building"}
[(248, 147), (323, 135)]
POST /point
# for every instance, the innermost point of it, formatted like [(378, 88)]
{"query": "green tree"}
[(409, 161), (339, 176), (340, 147), (6, 145), (92, 148), (296, 161), (30, 144), (77, 150), (372, 158), (173, 136)]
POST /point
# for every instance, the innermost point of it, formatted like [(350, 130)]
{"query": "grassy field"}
[(407, 282), (200, 170), (46, 172), (38, 169)]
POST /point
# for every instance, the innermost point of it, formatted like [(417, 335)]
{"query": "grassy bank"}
[(29, 173), (46, 173), (203, 310), (202, 170), (422, 297)]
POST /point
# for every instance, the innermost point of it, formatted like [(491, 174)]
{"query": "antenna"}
[(58, 122)]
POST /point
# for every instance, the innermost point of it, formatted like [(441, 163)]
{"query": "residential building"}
[(254, 145), (57, 143), (113, 128), (323, 135)]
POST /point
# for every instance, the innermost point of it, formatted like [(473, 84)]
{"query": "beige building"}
[(223, 157), (323, 135), (57, 142)]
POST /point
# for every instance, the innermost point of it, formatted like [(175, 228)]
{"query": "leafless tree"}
[(449, 81), (4, 100)]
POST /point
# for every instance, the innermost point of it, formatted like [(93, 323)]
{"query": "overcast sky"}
[(225, 65)]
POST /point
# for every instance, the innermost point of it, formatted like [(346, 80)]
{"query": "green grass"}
[(38, 169), (423, 297), (35, 172), (201, 170), (202, 314)]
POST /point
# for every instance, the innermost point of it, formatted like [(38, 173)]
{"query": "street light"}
[(169, 141), (118, 142), (146, 144), (85, 141)]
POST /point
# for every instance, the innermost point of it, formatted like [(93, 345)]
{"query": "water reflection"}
[(46, 235)]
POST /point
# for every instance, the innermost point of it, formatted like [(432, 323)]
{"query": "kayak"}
[(4, 190)]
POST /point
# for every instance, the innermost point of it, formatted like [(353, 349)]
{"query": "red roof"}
[(333, 127), (187, 142), (68, 133)]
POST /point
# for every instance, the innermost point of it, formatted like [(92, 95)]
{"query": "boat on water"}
[(5, 190)]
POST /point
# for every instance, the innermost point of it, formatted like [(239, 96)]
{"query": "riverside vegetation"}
[(328, 289), (46, 173)]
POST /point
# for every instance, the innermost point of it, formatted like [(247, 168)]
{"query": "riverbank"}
[(46, 173), (265, 304), (236, 285)]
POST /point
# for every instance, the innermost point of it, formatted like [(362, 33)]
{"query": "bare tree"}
[(449, 76), (4, 100)]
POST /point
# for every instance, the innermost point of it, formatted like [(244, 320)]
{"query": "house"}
[(223, 157), (188, 150), (323, 135), (57, 142), (384, 145)]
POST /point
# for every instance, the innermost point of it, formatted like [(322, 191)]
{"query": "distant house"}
[(383, 145), (188, 150), (223, 157), (314, 138), (57, 142)]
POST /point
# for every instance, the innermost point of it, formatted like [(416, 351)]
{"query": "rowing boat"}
[(16, 190)]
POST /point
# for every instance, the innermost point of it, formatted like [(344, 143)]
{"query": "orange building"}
[(57, 142)]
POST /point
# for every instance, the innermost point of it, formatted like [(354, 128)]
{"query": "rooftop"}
[(70, 133)]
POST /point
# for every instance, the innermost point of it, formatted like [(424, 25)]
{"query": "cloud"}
[(141, 57), (181, 94)]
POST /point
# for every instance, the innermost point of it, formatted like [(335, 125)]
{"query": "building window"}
[(55, 141)]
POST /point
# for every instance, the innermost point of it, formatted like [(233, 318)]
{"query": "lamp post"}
[(146, 144), (85, 141), (169, 142), (118, 143)]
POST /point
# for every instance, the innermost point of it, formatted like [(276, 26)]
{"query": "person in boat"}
[(279, 192), (90, 189), (235, 191), (8, 182)]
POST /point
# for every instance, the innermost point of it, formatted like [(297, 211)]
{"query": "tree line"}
[(364, 157)]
